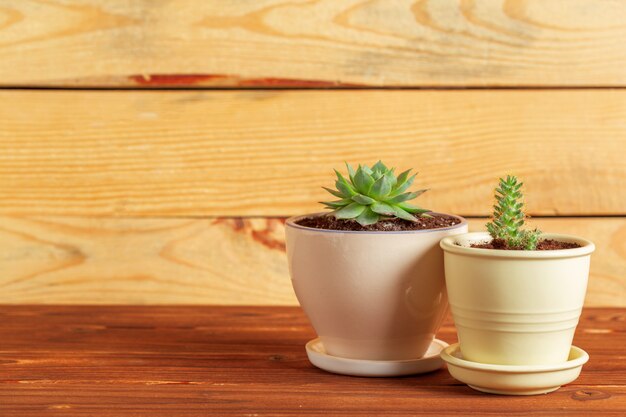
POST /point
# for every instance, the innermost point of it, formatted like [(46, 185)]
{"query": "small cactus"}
[(508, 217), (371, 194)]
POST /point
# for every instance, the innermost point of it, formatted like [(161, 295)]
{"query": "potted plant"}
[(515, 294), (369, 274)]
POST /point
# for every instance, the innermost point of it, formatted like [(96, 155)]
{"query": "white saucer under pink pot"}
[(370, 295)]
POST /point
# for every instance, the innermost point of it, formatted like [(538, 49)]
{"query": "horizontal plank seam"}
[(305, 88), (264, 309)]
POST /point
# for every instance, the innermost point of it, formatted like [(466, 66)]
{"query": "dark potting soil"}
[(329, 222), (546, 244)]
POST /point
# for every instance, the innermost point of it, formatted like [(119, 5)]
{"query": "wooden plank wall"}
[(149, 151)]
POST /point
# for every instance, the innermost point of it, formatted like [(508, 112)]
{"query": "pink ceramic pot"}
[(370, 295)]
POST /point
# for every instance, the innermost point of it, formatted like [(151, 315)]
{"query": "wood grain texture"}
[(68, 260), (199, 361), (267, 153), (313, 43)]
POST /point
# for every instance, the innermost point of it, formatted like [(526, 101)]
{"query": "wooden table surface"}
[(199, 361)]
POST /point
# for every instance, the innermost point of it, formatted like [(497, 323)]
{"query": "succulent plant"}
[(371, 194), (508, 217)]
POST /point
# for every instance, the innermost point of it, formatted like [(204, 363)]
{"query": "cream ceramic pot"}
[(515, 307), (370, 295)]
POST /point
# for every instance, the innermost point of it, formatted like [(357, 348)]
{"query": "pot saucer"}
[(431, 361), (514, 379)]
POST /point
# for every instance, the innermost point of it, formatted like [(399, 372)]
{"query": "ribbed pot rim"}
[(291, 222), (459, 244)]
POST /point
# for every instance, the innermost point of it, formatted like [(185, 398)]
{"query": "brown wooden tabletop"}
[(199, 361)]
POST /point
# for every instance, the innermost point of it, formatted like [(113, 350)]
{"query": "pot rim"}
[(450, 244), (291, 222)]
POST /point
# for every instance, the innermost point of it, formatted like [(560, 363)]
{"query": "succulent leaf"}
[(391, 178), (380, 167), (363, 199), (367, 217), (334, 192), (343, 185), (350, 171), (411, 208), (336, 204), (363, 181), (350, 211), (403, 177), (402, 187), (382, 208), (381, 188), (406, 196), (368, 195), (344, 188), (403, 214)]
